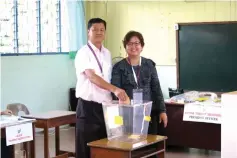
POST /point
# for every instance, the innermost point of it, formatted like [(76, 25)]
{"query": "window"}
[(6, 26), (64, 27), (27, 26), (33, 27), (49, 20)]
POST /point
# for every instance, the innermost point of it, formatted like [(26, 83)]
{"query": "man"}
[(93, 69)]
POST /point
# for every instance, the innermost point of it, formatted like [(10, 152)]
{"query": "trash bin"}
[(128, 123)]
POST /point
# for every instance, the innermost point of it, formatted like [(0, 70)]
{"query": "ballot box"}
[(127, 123)]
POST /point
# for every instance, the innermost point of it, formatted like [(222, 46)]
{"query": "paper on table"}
[(4, 119), (112, 114), (9, 120)]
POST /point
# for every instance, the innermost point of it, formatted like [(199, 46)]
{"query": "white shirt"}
[(85, 59)]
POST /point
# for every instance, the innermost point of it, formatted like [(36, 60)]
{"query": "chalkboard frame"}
[(177, 44)]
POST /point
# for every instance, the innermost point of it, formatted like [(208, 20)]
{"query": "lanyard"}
[(99, 64), (136, 75)]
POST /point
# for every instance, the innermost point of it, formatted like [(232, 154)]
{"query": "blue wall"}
[(41, 82)]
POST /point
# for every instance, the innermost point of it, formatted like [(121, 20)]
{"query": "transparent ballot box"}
[(127, 122)]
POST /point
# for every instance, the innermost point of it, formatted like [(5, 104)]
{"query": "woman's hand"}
[(164, 119), (6, 112)]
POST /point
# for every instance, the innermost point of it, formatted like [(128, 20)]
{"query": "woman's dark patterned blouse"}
[(122, 77)]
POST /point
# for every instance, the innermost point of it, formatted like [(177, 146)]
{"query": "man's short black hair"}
[(94, 21)]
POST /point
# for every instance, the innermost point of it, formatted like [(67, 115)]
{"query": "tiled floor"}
[(68, 139)]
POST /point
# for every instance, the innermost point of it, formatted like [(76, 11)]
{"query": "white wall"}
[(167, 76)]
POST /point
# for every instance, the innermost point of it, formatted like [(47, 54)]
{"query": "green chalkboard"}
[(207, 56)]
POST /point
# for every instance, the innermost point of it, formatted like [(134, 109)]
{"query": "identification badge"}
[(137, 96)]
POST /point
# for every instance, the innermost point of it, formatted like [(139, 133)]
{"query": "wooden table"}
[(53, 119), (152, 145), (25, 147), (190, 134)]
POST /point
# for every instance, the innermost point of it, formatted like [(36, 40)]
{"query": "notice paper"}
[(202, 112)]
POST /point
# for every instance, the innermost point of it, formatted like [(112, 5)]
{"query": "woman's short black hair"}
[(94, 21), (131, 34)]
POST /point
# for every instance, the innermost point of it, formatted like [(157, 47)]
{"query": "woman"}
[(138, 75), (5, 150)]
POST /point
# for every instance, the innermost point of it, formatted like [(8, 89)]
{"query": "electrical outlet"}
[(176, 27)]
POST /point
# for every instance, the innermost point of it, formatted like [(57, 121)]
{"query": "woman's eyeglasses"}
[(130, 44)]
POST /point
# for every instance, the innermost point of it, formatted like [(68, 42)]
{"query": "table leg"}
[(161, 147), (57, 141), (32, 144), (12, 149), (26, 149), (46, 143), (75, 140), (161, 155)]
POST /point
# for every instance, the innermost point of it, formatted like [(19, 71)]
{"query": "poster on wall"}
[(202, 112)]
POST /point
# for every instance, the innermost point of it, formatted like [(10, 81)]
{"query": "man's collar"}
[(95, 48)]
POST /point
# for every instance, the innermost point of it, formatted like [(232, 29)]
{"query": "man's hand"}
[(126, 102), (6, 112), (121, 94), (164, 119)]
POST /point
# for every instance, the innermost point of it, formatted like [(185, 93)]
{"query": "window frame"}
[(39, 31)]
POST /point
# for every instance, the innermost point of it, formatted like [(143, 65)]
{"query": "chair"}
[(16, 108)]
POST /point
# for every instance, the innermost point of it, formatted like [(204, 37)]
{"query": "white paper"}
[(12, 120), (202, 112), (19, 133), (111, 113)]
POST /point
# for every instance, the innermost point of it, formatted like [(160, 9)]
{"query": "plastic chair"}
[(16, 108)]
